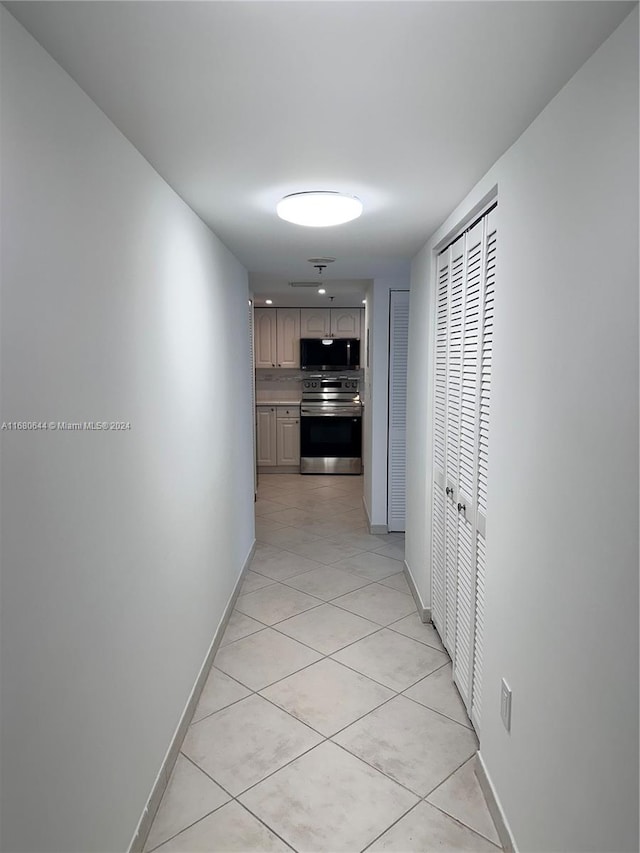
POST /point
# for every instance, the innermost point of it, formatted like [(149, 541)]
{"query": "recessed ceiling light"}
[(321, 291), (268, 301), (319, 209), (364, 301)]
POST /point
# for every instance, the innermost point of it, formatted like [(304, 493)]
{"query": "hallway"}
[(329, 720)]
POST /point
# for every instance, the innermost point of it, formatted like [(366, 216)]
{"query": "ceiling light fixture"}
[(319, 209), (268, 301), (321, 291)]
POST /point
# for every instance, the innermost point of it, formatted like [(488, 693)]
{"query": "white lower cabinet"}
[(278, 436), (266, 435), (288, 441)]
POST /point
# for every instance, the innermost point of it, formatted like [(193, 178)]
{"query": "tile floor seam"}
[(365, 617), (322, 657), (293, 716), (424, 643), (446, 779), (271, 683), (308, 610), (296, 554), (386, 829), (270, 828), (377, 769), (435, 710), (351, 643), (278, 769), (232, 798), (184, 828), (327, 600), (273, 580), (457, 819)]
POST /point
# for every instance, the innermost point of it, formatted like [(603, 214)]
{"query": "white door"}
[(465, 285), (398, 350)]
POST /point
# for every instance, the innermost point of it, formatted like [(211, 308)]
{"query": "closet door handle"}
[(462, 507), (449, 490)]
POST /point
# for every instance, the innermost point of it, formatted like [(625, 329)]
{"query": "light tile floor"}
[(329, 721)]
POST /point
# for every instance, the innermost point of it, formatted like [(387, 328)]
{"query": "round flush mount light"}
[(321, 291), (319, 209), (268, 301)]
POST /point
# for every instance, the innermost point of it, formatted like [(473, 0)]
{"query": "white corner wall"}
[(120, 550), (562, 534)]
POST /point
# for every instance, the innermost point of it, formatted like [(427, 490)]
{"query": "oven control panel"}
[(351, 386)]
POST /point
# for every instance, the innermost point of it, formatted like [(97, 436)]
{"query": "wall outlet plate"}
[(505, 704)]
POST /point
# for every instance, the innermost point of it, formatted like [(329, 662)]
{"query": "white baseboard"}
[(374, 529), (495, 808), (162, 779), (423, 612)]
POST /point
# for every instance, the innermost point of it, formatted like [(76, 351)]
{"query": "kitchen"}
[(309, 357)]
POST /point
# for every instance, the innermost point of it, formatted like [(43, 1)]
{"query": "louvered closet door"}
[(454, 387), (465, 284), (438, 537), (490, 238), (467, 462), (398, 349)]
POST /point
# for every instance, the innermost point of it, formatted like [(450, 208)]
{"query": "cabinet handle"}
[(462, 507), (449, 490)]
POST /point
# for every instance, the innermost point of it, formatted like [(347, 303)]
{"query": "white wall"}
[(376, 399), (562, 530), (119, 550)]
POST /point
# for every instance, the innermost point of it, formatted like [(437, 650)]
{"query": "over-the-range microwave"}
[(330, 353)]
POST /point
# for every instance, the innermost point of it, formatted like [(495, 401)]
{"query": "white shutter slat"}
[(398, 351), (438, 548), (438, 558), (465, 612), (485, 375), (476, 698), (483, 464), (453, 422)]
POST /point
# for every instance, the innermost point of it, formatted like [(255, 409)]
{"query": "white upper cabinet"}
[(345, 322), (277, 337), (265, 343), (288, 337), (315, 323), (330, 322)]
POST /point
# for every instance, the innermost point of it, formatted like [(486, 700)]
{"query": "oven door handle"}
[(331, 413)]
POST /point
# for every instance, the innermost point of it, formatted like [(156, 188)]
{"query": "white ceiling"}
[(404, 104)]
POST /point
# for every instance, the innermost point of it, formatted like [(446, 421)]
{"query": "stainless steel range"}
[(331, 426)]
